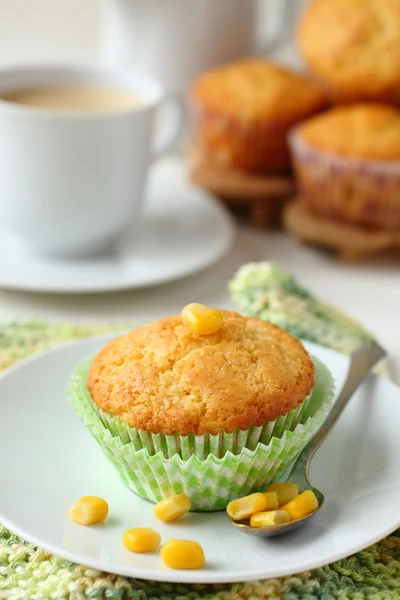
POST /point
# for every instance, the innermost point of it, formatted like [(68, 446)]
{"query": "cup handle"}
[(282, 34), (171, 115)]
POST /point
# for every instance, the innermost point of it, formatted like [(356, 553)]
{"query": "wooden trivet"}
[(260, 197), (351, 243)]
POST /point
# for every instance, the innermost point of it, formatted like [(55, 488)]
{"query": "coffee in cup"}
[(80, 98)]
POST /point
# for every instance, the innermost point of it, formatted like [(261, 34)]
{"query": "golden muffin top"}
[(369, 131), (256, 89), (165, 378), (354, 46)]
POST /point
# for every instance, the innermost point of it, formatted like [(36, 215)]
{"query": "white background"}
[(48, 30), (61, 30)]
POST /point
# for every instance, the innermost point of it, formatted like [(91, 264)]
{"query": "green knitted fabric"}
[(29, 573)]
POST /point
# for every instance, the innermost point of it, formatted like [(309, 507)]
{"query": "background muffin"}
[(212, 416), (353, 47), (348, 164), (243, 113)]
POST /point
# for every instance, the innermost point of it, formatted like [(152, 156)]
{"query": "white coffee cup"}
[(176, 40), (72, 182)]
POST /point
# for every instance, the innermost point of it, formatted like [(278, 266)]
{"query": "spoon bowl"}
[(362, 361), (276, 530)]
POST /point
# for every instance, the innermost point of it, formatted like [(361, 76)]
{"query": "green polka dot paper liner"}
[(204, 445), (204, 467)]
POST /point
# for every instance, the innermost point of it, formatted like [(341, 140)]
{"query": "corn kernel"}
[(202, 319), (286, 491), (88, 510), (269, 519), (272, 500), (172, 507), (244, 507), (301, 506), (141, 539), (182, 554)]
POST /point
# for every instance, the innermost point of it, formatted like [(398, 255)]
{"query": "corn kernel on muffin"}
[(165, 378), (353, 47), (243, 112), (348, 164)]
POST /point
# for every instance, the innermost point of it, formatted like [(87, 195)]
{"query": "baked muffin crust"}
[(370, 131), (165, 378), (354, 47), (258, 90)]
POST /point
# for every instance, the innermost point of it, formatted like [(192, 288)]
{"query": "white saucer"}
[(183, 231), (49, 460)]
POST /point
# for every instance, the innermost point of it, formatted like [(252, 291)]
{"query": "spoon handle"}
[(361, 362)]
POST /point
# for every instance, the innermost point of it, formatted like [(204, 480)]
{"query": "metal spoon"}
[(361, 362)]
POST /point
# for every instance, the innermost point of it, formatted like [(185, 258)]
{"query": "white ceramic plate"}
[(49, 461), (183, 231)]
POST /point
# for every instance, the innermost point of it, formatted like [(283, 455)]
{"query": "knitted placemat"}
[(29, 573)]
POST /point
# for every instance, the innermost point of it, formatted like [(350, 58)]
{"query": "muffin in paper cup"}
[(256, 146), (243, 111), (205, 469), (352, 47), (347, 169)]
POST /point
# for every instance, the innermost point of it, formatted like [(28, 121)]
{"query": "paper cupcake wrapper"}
[(201, 445), (210, 482), (360, 191), (256, 145)]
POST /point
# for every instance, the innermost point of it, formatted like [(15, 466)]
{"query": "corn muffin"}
[(353, 48), (348, 165), (208, 404), (243, 112), (166, 378)]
